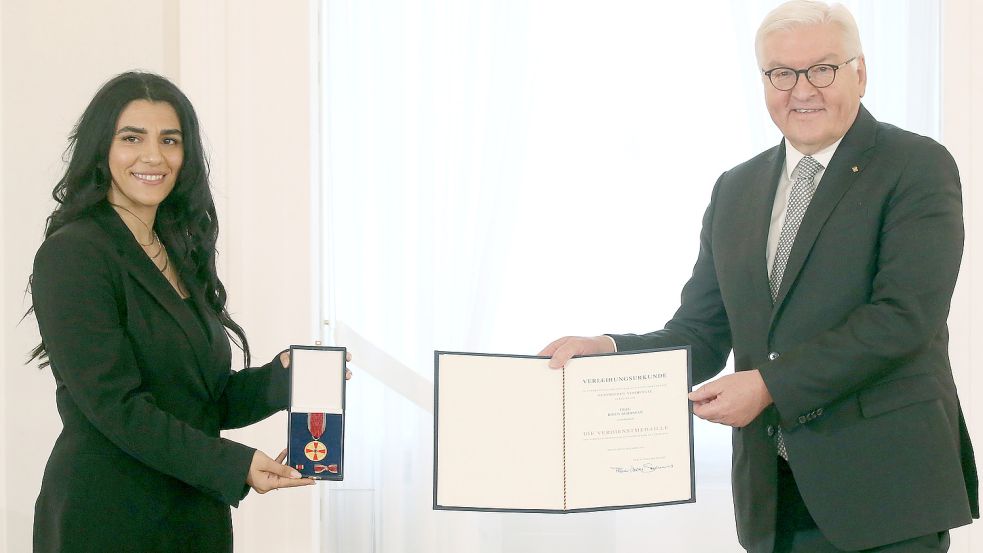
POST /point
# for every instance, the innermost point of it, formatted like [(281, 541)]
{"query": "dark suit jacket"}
[(855, 349), (143, 388)]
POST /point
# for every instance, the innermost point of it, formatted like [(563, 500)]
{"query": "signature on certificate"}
[(644, 467)]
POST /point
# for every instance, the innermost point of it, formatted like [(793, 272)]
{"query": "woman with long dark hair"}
[(134, 326)]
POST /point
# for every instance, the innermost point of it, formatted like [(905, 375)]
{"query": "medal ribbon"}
[(316, 423)]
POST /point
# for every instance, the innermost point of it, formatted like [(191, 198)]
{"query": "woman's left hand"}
[(285, 361), (266, 474)]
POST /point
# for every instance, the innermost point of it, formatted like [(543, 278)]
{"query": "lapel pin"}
[(855, 169)]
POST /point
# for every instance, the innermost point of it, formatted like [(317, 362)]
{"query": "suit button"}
[(770, 430), (803, 419), (773, 355)]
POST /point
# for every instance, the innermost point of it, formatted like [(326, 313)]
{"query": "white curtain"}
[(497, 174)]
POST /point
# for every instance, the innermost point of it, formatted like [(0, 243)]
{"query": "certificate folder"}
[(316, 418), (611, 431)]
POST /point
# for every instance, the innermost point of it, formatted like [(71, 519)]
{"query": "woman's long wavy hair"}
[(186, 220)]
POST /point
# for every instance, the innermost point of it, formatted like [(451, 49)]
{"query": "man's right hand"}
[(563, 349)]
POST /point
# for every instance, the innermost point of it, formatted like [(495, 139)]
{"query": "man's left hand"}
[(734, 400)]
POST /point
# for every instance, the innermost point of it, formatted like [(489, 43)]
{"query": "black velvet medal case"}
[(316, 418)]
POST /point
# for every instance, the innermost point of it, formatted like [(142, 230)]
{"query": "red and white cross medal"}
[(315, 450)]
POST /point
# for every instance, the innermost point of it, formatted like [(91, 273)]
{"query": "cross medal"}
[(315, 450)]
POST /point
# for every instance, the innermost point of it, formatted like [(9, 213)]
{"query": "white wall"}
[(3, 311), (246, 71), (245, 65), (962, 133)]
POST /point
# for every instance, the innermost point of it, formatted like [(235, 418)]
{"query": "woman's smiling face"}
[(145, 156)]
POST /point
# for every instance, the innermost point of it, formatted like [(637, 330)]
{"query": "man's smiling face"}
[(813, 118)]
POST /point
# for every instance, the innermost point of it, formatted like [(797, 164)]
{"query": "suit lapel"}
[(143, 270), (219, 354), (854, 152), (761, 197), (218, 339)]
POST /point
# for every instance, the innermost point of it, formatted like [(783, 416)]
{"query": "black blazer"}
[(143, 388), (855, 349)]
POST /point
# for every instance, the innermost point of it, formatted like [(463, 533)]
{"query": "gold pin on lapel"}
[(855, 169)]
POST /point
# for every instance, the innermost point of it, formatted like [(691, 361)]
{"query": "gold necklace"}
[(160, 249), (153, 234), (155, 239), (166, 257)]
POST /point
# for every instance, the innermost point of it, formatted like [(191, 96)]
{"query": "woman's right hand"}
[(266, 474)]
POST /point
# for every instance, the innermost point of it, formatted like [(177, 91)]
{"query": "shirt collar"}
[(793, 156)]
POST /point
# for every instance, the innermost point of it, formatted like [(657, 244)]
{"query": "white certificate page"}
[(628, 430), (498, 433)]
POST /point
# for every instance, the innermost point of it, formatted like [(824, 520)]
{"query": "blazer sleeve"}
[(253, 394), (921, 242), (78, 293), (701, 320)]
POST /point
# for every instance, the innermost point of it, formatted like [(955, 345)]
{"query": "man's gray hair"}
[(803, 13)]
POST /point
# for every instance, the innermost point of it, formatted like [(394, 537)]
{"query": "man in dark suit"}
[(827, 265)]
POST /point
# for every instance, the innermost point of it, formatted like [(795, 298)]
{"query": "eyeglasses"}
[(820, 75)]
